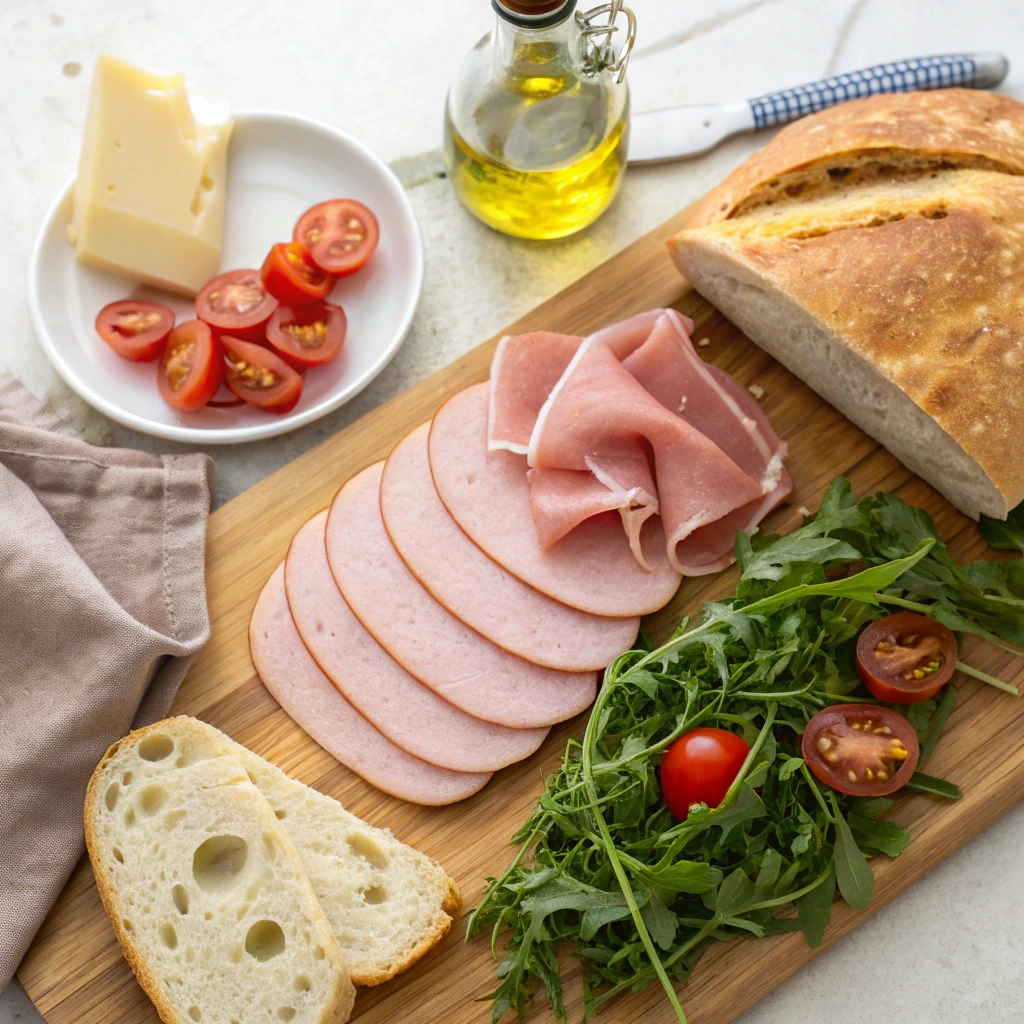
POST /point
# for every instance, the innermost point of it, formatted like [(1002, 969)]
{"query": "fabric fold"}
[(102, 611)]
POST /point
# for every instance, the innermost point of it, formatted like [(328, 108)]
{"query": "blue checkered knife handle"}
[(977, 70)]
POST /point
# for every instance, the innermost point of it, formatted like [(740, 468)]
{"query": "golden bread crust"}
[(956, 127), (925, 281)]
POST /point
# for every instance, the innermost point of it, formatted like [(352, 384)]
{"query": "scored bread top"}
[(924, 278), (878, 136)]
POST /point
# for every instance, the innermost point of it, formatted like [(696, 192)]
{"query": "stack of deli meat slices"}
[(460, 598)]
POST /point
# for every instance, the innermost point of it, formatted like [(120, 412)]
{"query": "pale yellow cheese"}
[(149, 199)]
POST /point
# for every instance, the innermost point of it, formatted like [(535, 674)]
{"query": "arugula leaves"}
[(601, 862), (1007, 534)]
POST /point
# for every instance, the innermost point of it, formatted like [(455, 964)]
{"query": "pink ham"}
[(474, 588), (427, 640), (594, 454), (487, 494), (600, 418), (402, 708), (306, 694), (526, 368), (668, 367)]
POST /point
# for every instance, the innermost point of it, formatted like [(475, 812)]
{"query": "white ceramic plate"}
[(278, 165)]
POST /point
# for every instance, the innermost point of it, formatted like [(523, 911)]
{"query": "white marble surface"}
[(947, 950)]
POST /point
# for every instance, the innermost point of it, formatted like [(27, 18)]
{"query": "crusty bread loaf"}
[(877, 250), (387, 903), (209, 899)]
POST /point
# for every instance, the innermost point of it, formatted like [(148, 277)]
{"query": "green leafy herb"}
[(602, 864), (853, 873), (815, 909), (929, 784), (1008, 533)]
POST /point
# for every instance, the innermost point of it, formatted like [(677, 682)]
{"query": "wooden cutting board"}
[(75, 972)]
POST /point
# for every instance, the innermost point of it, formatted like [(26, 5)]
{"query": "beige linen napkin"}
[(102, 610)]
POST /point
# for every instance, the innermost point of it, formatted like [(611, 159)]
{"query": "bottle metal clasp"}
[(598, 53)]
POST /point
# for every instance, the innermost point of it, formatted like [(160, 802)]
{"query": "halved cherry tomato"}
[(236, 303), (860, 749), (906, 658), (699, 768), (257, 375), (135, 329), (340, 235), (191, 369), (307, 336), (291, 276)]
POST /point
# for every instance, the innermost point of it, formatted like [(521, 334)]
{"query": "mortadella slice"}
[(477, 590), (402, 708), (487, 494), (427, 640), (307, 696)]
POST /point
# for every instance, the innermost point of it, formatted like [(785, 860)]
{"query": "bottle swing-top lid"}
[(534, 13)]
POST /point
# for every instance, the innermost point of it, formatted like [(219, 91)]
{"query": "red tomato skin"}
[(897, 690), (291, 353), (328, 214), (286, 283), (147, 345), (901, 730), (283, 397), (206, 375), (250, 325), (699, 768)]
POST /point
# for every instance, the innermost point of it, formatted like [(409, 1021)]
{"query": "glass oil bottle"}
[(537, 124)]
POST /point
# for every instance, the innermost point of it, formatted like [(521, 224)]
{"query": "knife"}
[(677, 132)]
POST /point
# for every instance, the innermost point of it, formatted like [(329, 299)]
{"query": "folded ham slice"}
[(474, 588), (488, 495), (428, 641), (307, 696), (401, 707), (526, 368), (600, 418), (636, 423)]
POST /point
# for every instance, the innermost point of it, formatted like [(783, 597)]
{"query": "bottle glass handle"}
[(898, 76)]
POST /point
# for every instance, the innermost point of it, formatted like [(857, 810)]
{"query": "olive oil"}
[(543, 203), (536, 132)]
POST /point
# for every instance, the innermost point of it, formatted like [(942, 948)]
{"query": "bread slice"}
[(209, 899), (897, 294), (387, 903)]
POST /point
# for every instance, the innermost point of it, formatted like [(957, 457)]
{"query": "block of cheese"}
[(149, 199)]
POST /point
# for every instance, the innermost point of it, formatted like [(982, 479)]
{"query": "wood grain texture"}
[(75, 972)]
